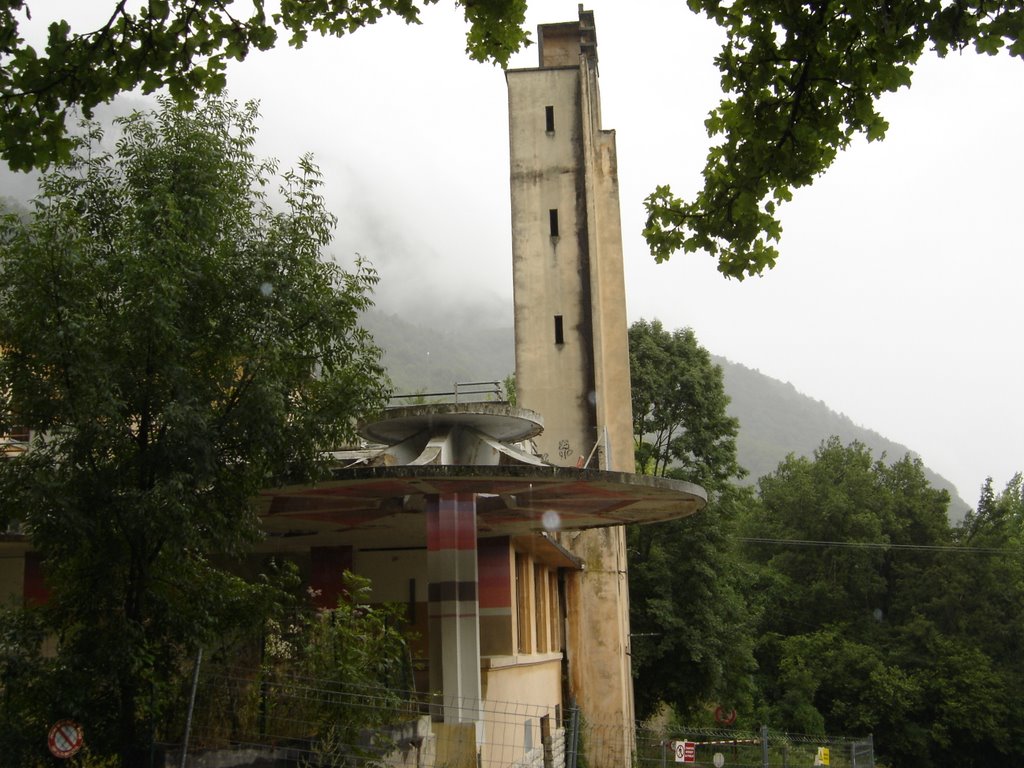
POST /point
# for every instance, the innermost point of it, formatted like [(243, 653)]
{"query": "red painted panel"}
[(451, 522), (326, 566), (494, 567), (34, 591)]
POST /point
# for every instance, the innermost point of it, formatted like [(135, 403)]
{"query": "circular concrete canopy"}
[(501, 421), (383, 505)]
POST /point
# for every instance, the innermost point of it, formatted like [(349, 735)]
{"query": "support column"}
[(454, 613)]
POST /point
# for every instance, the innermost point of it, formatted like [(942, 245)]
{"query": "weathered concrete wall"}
[(598, 637), (455, 745), (551, 272), (390, 572), (578, 379), (545, 756), (535, 679), (514, 737)]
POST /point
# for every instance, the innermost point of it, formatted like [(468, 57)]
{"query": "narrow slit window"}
[(411, 610), (559, 332), (553, 221), (540, 611), (524, 626), (549, 119), (556, 620)]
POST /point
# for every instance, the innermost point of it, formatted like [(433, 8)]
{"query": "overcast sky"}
[(897, 297)]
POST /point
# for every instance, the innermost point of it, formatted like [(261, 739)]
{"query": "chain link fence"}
[(659, 747), (242, 717)]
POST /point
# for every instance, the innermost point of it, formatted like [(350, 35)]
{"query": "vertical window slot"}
[(553, 221), (549, 119), (559, 332), (524, 624)]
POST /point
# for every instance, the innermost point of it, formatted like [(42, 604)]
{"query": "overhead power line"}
[(882, 545)]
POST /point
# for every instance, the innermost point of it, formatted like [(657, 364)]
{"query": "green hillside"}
[(775, 419), (423, 358)]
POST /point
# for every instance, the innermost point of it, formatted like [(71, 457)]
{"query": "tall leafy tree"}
[(680, 421), (183, 45), (688, 615), (878, 617), (801, 80), (175, 344), (981, 611), (690, 619)]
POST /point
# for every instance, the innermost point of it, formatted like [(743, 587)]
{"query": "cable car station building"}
[(500, 526)]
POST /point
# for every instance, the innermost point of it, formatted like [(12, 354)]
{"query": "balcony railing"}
[(462, 392)]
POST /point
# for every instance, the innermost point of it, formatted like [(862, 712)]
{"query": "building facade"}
[(500, 527), (572, 355)]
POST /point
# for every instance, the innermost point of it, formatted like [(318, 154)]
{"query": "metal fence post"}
[(764, 746), (862, 752), (191, 708)]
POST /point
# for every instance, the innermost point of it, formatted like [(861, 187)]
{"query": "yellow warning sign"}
[(822, 757)]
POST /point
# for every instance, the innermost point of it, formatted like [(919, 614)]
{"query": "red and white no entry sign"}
[(65, 738)]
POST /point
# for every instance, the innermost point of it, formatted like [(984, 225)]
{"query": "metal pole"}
[(863, 748), (191, 707), (608, 450), (574, 738), (764, 746)]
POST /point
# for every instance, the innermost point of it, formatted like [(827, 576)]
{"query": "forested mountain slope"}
[(775, 419), (426, 358)]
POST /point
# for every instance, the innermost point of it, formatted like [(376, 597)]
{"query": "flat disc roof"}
[(511, 499)]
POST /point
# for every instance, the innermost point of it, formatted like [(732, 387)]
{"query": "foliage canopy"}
[(687, 611), (838, 600), (680, 424), (184, 46), (174, 344), (801, 81), (877, 616)]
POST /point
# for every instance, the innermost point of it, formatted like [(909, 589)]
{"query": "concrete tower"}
[(572, 357)]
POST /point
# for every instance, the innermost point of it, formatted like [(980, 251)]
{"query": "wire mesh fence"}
[(744, 749), (245, 717)]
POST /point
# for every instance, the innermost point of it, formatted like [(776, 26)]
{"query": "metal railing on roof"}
[(461, 392)]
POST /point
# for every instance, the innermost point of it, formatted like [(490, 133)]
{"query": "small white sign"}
[(686, 751)]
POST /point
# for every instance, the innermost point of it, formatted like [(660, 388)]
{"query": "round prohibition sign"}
[(65, 738)]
